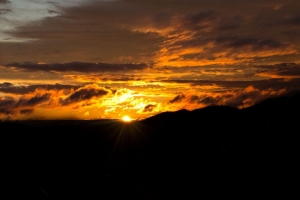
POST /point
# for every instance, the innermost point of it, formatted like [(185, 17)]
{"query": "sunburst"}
[(126, 118)]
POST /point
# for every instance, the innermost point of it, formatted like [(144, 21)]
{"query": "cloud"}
[(211, 36), (33, 101), (4, 1), (207, 100), (230, 23), (7, 105), (96, 34), (194, 33), (21, 13), (215, 47), (193, 49), (53, 12), (149, 108), (76, 67), (7, 87), (17, 105), (26, 111), (235, 98), (250, 96), (105, 77), (294, 20), (85, 93), (199, 21), (255, 44), (282, 70), (221, 85), (59, 101), (10, 105), (178, 98), (4, 11)]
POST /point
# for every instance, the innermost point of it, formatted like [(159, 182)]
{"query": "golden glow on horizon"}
[(126, 118)]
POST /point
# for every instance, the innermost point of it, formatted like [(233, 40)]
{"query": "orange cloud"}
[(235, 98), (92, 101), (182, 52), (41, 98)]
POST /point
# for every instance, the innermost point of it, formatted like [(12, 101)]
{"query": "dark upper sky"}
[(101, 58)]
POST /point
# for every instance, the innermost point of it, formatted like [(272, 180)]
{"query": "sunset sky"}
[(94, 59)]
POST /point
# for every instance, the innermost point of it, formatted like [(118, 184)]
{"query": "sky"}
[(95, 59)]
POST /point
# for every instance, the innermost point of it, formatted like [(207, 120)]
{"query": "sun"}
[(126, 118)]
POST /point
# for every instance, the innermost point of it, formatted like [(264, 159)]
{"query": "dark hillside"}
[(212, 152)]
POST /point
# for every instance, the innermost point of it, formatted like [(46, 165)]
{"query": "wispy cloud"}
[(76, 67), (283, 70), (10, 88)]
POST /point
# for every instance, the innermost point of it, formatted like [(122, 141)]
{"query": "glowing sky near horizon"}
[(90, 59)]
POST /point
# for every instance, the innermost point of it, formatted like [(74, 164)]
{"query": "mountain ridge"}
[(217, 151)]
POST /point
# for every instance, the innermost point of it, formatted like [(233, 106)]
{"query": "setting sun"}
[(126, 118)]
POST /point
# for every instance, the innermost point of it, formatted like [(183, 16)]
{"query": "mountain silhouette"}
[(217, 151)]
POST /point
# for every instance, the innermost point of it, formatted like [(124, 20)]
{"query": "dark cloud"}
[(252, 42), (53, 2), (26, 111), (105, 77), (76, 67), (203, 19), (235, 98), (204, 99), (34, 100), (230, 23), (163, 19), (149, 108), (194, 99), (7, 105), (275, 83), (284, 70), (10, 88), (85, 93), (53, 12), (5, 85), (4, 1), (102, 31), (92, 32), (294, 20), (207, 100), (12, 106), (178, 98), (3, 11), (199, 20)]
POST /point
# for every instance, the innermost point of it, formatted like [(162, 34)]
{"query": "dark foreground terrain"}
[(210, 152)]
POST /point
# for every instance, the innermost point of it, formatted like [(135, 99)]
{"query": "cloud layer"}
[(90, 59), (76, 67)]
